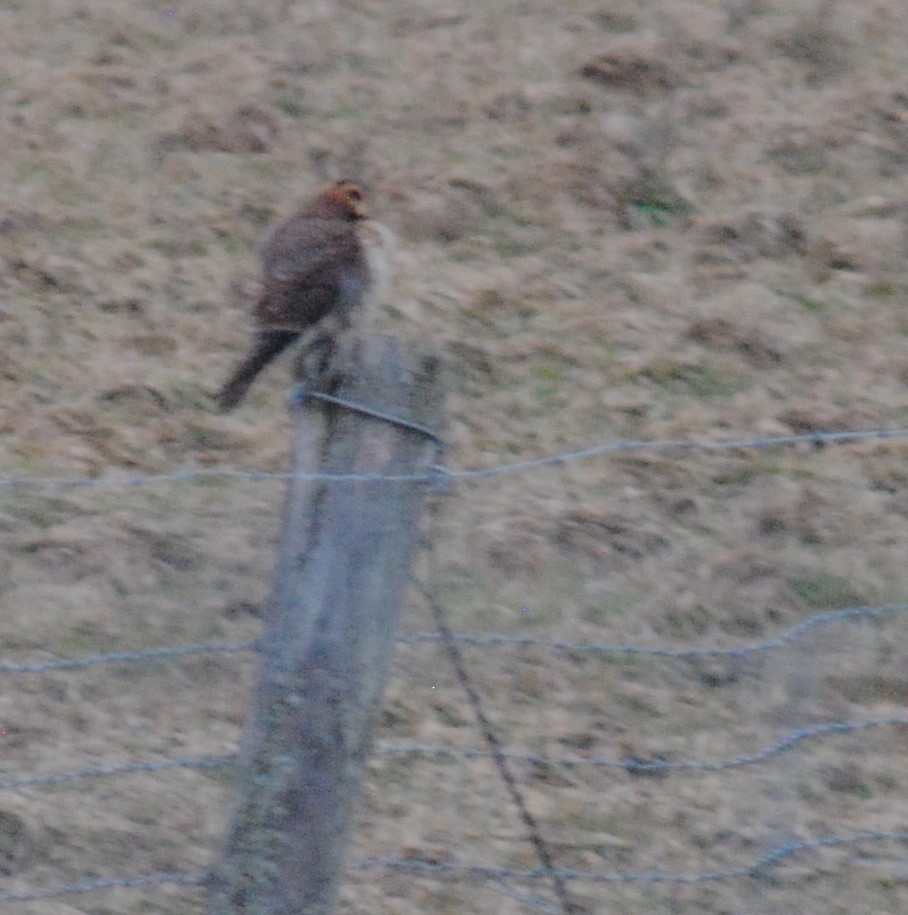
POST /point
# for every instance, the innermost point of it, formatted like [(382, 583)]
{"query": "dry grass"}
[(618, 220)]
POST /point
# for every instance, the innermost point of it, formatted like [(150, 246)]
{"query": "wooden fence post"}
[(328, 636)]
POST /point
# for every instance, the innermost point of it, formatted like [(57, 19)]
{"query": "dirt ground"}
[(617, 220)]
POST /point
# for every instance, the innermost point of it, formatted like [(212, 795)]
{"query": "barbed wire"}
[(106, 883), (501, 877), (126, 657), (481, 640), (440, 474), (785, 638), (160, 765), (773, 857), (785, 743), (673, 444)]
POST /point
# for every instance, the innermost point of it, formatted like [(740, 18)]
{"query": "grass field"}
[(617, 220)]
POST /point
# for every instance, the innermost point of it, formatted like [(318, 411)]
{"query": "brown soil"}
[(617, 220)]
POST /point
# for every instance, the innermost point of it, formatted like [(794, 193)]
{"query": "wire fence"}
[(774, 857), (439, 475), (505, 880), (483, 640), (786, 742)]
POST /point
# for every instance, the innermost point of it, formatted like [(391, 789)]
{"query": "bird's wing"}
[(311, 267)]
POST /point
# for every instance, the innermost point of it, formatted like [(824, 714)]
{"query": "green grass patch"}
[(825, 590)]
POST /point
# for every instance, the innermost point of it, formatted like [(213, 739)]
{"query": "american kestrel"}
[(321, 268)]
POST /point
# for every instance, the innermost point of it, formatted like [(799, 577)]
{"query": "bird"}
[(321, 270)]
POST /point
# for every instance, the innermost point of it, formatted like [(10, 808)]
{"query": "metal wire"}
[(106, 883), (161, 765), (772, 858), (788, 742), (784, 744), (127, 657), (482, 640), (440, 473), (501, 877)]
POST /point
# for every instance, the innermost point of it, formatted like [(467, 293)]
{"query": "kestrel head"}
[(341, 200)]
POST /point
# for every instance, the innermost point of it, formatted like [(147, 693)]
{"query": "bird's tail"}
[(268, 344)]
